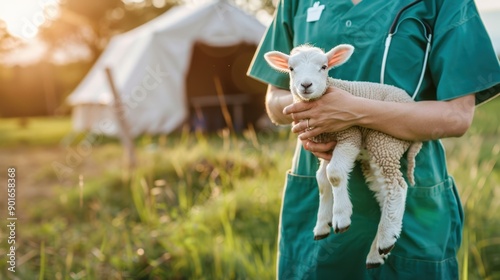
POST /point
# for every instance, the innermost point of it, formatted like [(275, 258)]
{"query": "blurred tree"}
[(256, 6), (92, 23), (7, 41)]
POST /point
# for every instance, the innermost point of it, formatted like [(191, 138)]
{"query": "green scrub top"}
[(461, 61)]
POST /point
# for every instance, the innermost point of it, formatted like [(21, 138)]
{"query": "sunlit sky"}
[(24, 16), (488, 4)]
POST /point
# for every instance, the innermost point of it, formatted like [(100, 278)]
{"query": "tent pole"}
[(125, 137), (223, 105)]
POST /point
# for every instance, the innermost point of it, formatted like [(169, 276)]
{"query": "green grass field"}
[(197, 207)]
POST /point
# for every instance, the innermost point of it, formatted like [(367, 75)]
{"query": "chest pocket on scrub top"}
[(320, 33), (407, 54)]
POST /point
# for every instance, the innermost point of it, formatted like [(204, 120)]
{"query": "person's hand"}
[(320, 150), (330, 113)]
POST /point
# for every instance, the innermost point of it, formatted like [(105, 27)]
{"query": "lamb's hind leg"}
[(386, 153), (374, 178), (323, 222), (392, 215), (338, 170)]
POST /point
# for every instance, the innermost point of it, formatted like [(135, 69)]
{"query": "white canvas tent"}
[(150, 64)]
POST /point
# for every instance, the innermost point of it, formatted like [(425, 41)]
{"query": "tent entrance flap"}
[(243, 96)]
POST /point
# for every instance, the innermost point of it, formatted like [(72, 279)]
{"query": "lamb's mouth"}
[(306, 97), (305, 92)]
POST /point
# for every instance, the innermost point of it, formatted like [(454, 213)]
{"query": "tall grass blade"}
[(42, 261)]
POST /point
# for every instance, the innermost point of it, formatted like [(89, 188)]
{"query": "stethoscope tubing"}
[(388, 40)]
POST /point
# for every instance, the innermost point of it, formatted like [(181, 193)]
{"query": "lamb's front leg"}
[(323, 223), (338, 170)]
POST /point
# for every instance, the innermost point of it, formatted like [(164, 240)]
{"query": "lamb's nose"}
[(306, 85)]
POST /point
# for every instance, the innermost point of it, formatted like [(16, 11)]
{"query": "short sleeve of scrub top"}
[(462, 59), (279, 37)]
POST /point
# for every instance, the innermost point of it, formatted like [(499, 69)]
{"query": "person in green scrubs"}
[(462, 71)]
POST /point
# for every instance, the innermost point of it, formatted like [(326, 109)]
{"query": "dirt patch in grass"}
[(42, 170)]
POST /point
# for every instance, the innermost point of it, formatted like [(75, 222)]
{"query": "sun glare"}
[(24, 17)]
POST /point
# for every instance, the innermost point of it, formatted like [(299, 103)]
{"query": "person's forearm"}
[(276, 100), (416, 121), (421, 121)]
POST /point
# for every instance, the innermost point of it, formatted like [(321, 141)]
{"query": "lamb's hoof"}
[(372, 265), (322, 236), (386, 250), (342, 230)]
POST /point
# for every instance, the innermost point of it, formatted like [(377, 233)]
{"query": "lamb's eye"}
[(323, 67), (291, 68)]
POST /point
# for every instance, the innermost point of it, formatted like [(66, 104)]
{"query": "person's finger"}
[(301, 115), (296, 108), (323, 150), (324, 156), (308, 133), (289, 110), (297, 117), (300, 126), (320, 147)]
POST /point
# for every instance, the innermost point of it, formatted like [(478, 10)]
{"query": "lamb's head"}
[(308, 68)]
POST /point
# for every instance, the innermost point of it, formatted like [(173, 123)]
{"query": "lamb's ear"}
[(277, 60), (339, 55)]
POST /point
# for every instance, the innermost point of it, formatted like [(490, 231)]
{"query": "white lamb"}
[(381, 153)]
